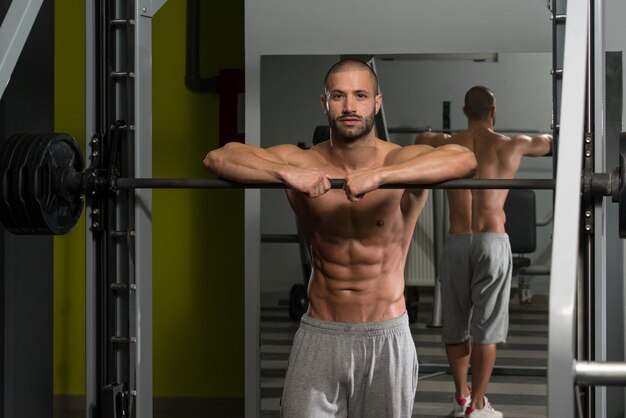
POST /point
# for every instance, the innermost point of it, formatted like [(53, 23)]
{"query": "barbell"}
[(44, 183)]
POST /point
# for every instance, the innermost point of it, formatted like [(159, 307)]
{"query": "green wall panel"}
[(198, 273), (69, 250)]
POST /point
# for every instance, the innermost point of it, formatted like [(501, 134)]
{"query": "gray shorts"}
[(475, 288), (341, 369)]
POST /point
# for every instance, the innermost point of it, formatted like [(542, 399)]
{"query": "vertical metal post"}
[(586, 292), (95, 115), (440, 230), (252, 297), (119, 227), (142, 261), (559, 18), (14, 31), (561, 360), (595, 120)]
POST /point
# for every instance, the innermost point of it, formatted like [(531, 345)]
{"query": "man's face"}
[(351, 103)]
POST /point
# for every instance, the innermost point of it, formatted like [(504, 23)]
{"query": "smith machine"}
[(45, 185)]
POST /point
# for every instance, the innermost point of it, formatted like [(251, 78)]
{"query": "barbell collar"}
[(174, 183)]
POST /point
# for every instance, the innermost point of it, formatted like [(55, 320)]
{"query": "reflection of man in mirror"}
[(476, 263), (353, 354)]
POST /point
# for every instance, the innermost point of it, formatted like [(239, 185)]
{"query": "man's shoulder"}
[(465, 138), (502, 138)]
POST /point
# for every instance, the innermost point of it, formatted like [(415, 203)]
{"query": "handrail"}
[(597, 373)]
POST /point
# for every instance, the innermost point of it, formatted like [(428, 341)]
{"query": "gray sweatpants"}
[(341, 369), (475, 288)]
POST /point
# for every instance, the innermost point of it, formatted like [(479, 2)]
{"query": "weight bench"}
[(521, 226)]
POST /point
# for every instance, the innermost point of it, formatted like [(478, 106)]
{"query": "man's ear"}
[(379, 102), (324, 102)]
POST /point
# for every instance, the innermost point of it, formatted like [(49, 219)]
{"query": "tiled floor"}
[(518, 387)]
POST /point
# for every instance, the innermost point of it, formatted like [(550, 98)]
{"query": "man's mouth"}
[(350, 119)]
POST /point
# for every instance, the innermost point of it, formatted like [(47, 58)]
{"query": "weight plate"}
[(622, 190), (7, 153), (59, 207), (17, 187), (30, 193), (298, 302), (34, 199), (411, 299)]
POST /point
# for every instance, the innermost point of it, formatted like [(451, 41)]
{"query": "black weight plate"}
[(17, 186), (622, 191), (60, 209), (30, 192), (298, 302), (411, 298), (7, 154), (30, 202)]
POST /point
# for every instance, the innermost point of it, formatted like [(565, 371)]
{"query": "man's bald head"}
[(351, 64), (478, 102)]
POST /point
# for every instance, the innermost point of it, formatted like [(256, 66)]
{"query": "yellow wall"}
[(198, 309), (69, 250)]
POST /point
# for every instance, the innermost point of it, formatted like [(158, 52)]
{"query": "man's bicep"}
[(407, 153), (535, 146), (278, 153)]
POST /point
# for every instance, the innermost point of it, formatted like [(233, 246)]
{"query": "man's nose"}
[(348, 105)]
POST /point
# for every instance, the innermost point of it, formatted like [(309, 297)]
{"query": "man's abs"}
[(356, 302)]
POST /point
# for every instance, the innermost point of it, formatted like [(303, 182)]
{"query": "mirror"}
[(416, 90)]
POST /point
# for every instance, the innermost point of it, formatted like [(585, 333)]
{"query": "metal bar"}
[(172, 183), (142, 207), (13, 34), (93, 244), (280, 238), (417, 130), (381, 121), (567, 205), (498, 370), (596, 373)]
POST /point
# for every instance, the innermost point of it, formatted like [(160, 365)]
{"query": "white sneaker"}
[(486, 412), (459, 405)]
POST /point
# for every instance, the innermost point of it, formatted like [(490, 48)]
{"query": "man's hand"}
[(310, 182), (360, 182)]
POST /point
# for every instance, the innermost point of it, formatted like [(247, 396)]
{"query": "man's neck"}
[(354, 153), (479, 125)]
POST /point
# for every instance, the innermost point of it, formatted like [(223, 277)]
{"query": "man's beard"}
[(356, 132)]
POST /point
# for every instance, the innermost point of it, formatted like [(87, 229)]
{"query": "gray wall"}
[(396, 26)]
